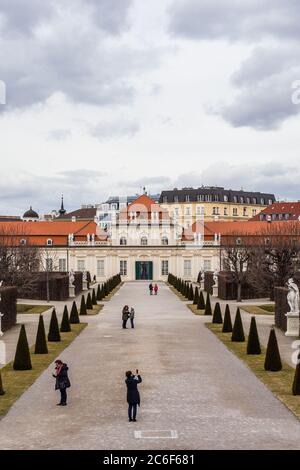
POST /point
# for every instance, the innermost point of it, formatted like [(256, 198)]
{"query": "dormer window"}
[(23, 241), (49, 242), (144, 241), (123, 241), (164, 241)]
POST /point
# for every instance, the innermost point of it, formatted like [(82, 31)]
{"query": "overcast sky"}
[(106, 96)]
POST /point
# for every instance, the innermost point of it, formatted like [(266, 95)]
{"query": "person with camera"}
[(133, 396), (62, 381), (125, 315)]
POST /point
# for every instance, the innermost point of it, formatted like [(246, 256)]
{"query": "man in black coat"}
[(133, 396)]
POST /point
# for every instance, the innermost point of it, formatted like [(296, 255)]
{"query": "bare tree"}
[(18, 258), (48, 262), (275, 255), (235, 258)]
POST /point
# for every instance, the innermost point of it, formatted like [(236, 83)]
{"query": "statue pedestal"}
[(84, 285), (215, 291), (202, 285), (72, 291), (292, 324)]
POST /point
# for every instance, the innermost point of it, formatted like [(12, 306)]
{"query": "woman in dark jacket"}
[(62, 381), (125, 315), (133, 396)]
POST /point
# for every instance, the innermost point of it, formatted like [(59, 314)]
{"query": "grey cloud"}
[(248, 20), (111, 15), (114, 129), (59, 134), (264, 94), (22, 16), (75, 57)]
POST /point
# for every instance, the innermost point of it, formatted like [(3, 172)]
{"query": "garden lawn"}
[(15, 383), (96, 309), (259, 309), (35, 309), (194, 309), (280, 383)]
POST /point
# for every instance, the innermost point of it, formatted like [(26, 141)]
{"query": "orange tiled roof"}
[(292, 208)]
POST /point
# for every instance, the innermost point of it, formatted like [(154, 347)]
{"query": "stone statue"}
[(293, 296), (71, 238), (216, 278), (84, 276), (71, 278)]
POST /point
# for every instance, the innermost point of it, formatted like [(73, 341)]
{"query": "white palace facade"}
[(142, 243)]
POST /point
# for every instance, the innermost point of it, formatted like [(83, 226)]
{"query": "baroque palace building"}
[(143, 243)]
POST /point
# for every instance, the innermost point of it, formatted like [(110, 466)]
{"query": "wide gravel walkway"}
[(195, 393)]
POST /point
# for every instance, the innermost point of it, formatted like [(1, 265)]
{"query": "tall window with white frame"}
[(165, 267), (81, 265), (62, 265), (187, 268), (123, 267), (100, 268), (207, 264)]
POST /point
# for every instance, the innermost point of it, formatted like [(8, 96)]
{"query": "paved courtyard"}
[(195, 393)]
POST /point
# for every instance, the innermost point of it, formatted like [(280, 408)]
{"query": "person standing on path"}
[(133, 396), (132, 314), (62, 381), (125, 315), (151, 288), (155, 289)]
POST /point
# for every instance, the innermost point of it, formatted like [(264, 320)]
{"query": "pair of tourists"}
[(133, 396), (153, 289), (62, 381), (128, 315)]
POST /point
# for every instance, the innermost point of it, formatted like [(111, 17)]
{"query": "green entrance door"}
[(144, 270)]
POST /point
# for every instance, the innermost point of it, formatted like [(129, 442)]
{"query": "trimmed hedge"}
[(8, 307)]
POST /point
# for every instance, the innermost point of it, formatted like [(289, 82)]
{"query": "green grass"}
[(33, 309), (96, 309), (259, 309), (15, 383), (194, 309), (175, 291), (280, 383)]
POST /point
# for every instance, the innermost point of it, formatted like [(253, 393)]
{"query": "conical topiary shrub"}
[(273, 359), (2, 391), (94, 298), (201, 302), (296, 382), (83, 310), (227, 325), (191, 293), (74, 317), (208, 310), (89, 303), (53, 335), (41, 342), (238, 335), (196, 296), (217, 316), (98, 296), (22, 357), (65, 326), (253, 345)]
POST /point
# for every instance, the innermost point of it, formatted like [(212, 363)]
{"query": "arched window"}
[(238, 241), (144, 241), (49, 242), (164, 241), (23, 241), (123, 241)]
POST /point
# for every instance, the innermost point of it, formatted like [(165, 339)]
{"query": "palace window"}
[(216, 211), (241, 200), (81, 265), (245, 212), (100, 268), (254, 200), (187, 211), (187, 198), (207, 265), (187, 268), (176, 199), (225, 211), (262, 201), (248, 200), (254, 212), (235, 211), (123, 267), (235, 199), (165, 241), (165, 268), (144, 241), (62, 265), (123, 241), (225, 198)]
